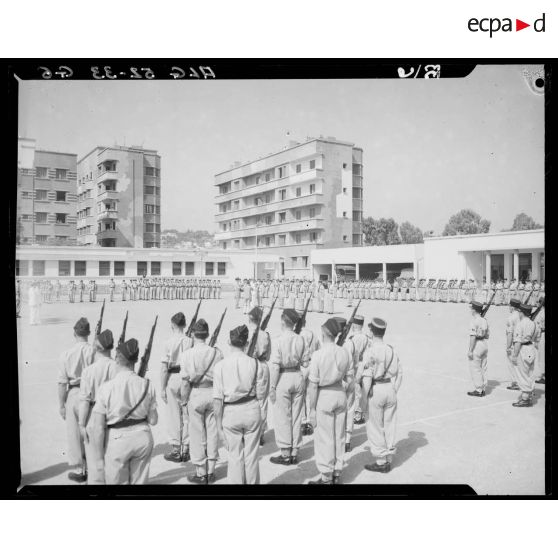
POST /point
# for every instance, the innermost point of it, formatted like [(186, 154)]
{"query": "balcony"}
[(105, 175), (103, 235), (107, 214), (274, 228), (107, 195)]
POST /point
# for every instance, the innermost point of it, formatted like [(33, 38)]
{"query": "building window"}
[(356, 216), (293, 262), (312, 164), (281, 172), (142, 268), (312, 212), (61, 218), (149, 171), (189, 268), (177, 268), (344, 190), (40, 195), (312, 188), (209, 268), (357, 168), (41, 238), (313, 237), (268, 198), (356, 239), (150, 190), (60, 196), (267, 177), (38, 267), (41, 172), (344, 238), (282, 195), (298, 215), (282, 239), (221, 268), (344, 165), (298, 168), (155, 268), (344, 214), (61, 238), (152, 209), (237, 244), (149, 227), (80, 267), (26, 195), (304, 261), (104, 268), (282, 217), (357, 193), (61, 174), (224, 245), (268, 240), (268, 219), (119, 268), (298, 192), (26, 217), (297, 238), (22, 267), (40, 218)]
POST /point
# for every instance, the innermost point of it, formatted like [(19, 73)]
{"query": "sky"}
[(431, 147)]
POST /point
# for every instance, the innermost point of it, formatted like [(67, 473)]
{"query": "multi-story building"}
[(306, 196), (119, 197), (46, 195)]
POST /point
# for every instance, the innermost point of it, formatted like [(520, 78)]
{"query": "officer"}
[(381, 379), (171, 390), (511, 324), (262, 353), (540, 345), (112, 286), (329, 377), (240, 384), (524, 355), (125, 408), (288, 372), (478, 350), (196, 371), (72, 363), (96, 374)]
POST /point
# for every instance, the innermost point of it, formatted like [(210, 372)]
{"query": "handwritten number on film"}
[(431, 71), (63, 72)]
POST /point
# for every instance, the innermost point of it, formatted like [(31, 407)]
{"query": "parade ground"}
[(443, 435)]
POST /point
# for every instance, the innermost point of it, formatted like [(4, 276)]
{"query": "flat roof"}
[(484, 235), (119, 148)]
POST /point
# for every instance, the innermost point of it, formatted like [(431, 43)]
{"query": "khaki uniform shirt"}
[(329, 365), (174, 347), (525, 331), (263, 344), (289, 351), (479, 328), (377, 359), (96, 374), (73, 362), (198, 363)]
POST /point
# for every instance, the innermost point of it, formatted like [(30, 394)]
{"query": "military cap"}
[(334, 326), (239, 336), (201, 328), (179, 319), (82, 327), (359, 320), (477, 305), (256, 313), (129, 350), (526, 309), (541, 300), (515, 302), (105, 339), (378, 323), (290, 315)]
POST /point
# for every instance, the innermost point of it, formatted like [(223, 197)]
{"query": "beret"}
[(359, 320), (179, 319), (239, 335), (82, 327), (515, 302), (378, 323), (477, 305), (291, 315), (129, 349), (256, 313), (201, 327), (526, 308), (334, 326), (106, 339)]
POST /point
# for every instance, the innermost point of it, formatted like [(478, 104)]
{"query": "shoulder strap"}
[(253, 388), (128, 414), (389, 364), (198, 382)]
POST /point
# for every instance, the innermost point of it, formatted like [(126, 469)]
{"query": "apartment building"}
[(119, 197), (306, 196), (46, 195)]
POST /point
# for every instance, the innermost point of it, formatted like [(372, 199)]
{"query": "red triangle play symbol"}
[(519, 25)]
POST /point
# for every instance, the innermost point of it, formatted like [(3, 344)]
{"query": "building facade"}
[(119, 198), (46, 195), (305, 197)]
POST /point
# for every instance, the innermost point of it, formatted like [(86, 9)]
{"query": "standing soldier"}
[(540, 345), (237, 292), (382, 374), (171, 390), (124, 412), (523, 356), (330, 369), (506, 291), (81, 289), (240, 384), (124, 290), (72, 363), (72, 291), (499, 289), (196, 371), (57, 290), (219, 288), (96, 374), (288, 371), (112, 286), (247, 296), (329, 298), (478, 350), (511, 324)]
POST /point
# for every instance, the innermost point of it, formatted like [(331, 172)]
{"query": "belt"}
[(332, 386), (381, 381), (290, 369), (527, 343), (71, 386), (173, 369), (127, 422), (244, 399)]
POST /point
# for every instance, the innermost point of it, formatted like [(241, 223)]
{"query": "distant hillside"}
[(172, 237)]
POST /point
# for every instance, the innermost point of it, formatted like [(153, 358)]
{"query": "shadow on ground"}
[(44, 474)]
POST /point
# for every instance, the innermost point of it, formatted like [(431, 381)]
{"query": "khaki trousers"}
[(382, 415), (76, 449), (204, 439), (329, 440), (288, 411), (242, 427), (264, 405), (352, 404), (95, 475), (525, 368), (128, 455), (540, 356), (478, 366), (177, 413)]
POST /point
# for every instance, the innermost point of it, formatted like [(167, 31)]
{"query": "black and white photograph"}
[(271, 280)]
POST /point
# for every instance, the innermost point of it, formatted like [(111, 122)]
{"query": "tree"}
[(410, 234), (466, 221), (380, 232), (524, 222)]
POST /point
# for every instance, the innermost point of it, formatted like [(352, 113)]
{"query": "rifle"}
[(529, 297), (213, 339), (348, 326), (194, 320), (100, 322), (123, 334), (300, 320), (147, 353), (485, 309), (536, 312), (265, 321), (253, 341)]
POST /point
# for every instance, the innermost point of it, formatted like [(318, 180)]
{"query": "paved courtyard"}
[(443, 435)]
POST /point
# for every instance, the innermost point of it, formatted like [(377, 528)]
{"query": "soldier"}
[(81, 289), (540, 344), (124, 290), (240, 384), (514, 286), (329, 295), (171, 390), (72, 291), (57, 290), (478, 350), (511, 323), (72, 363), (35, 303), (288, 371), (237, 292), (499, 289), (330, 371), (246, 295), (219, 287), (196, 371), (112, 286), (125, 408), (524, 355), (382, 374), (93, 376), (506, 292)]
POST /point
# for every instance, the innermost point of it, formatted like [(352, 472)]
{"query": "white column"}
[(507, 265), (333, 274), (357, 272), (536, 266), (516, 265), (487, 272), (384, 272)]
